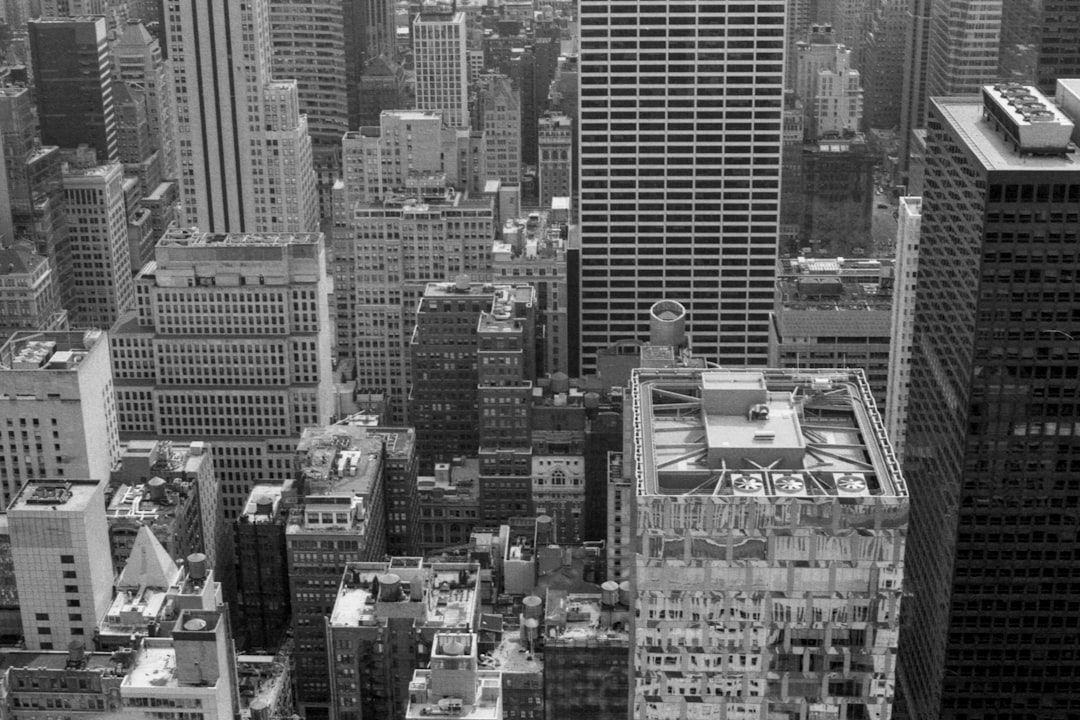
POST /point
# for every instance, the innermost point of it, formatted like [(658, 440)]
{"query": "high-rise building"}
[(59, 545), (770, 524), (905, 280), (245, 153), (35, 186), (990, 433), (498, 113), (226, 327), (97, 239), (263, 568), (139, 64), (680, 177), (455, 673), (57, 407), (1039, 42), (882, 56), (382, 85), (962, 51), (442, 64), (382, 267), (341, 518), (556, 157), (913, 93), (73, 84)]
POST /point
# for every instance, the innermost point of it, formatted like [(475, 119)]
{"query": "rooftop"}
[(512, 655), (58, 660), (187, 237), (441, 594), (756, 434), (502, 316), (572, 617), (73, 496), (62, 351), (263, 504), (339, 460), (263, 681), (964, 114)]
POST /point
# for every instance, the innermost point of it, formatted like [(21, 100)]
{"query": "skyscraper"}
[(442, 65), (73, 84), (905, 280), (139, 64), (239, 133), (962, 53), (1039, 42), (681, 111), (228, 327), (991, 444)]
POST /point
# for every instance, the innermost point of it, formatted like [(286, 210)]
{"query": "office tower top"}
[(56, 409), (60, 550), (990, 429), (442, 65), (962, 50), (233, 145), (770, 504), (73, 84), (680, 175)]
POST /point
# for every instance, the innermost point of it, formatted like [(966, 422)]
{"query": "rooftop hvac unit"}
[(851, 484), (748, 484), (789, 484)]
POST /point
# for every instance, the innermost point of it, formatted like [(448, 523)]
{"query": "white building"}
[(903, 319), (499, 116), (442, 65), (230, 342), (60, 553), (137, 61), (680, 171), (245, 155), (57, 411)]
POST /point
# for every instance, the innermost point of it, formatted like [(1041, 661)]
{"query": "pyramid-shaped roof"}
[(149, 565)]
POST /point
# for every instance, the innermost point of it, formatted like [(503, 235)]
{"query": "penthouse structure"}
[(455, 684), (340, 518), (229, 326), (388, 614), (769, 543), (57, 409)]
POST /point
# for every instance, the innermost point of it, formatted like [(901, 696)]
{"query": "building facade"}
[(905, 280), (654, 221), (442, 64)]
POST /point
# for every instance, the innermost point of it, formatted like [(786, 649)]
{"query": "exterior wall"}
[(903, 317), (442, 66)]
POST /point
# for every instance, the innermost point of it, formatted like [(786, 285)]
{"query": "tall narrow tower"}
[(229, 129), (681, 112), (442, 67)]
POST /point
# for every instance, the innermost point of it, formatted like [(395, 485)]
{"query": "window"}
[(67, 559)]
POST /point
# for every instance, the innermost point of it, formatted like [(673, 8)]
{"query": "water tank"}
[(560, 383), (453, 647), (461, 283), (592, 400), (196, 563), (533, 607), (195, 624), (624, 593), (76, 651), (260, 710), (157, 489), (389, 588), (264, 505), (529, 630), (609, 593), (667, 324), (545, 531)]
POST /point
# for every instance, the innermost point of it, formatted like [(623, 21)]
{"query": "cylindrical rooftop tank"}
[(667, 324)]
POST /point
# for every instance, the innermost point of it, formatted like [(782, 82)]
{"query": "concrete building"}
[(139, 64), (382, 266), (88, 682), (963, 46), (248, 169), (62, 571), (386, 617), (1038, 42), (172, 488), (670, 232), (988, 446), (556, 157), (229, 324), (828, 84), (449, 504), (341, 518), (533, 249), (263, 567), (383, 87), (73, 84), (834, 313), (97, 240), (587, 652), (29, 292), (905, 280), (442, 65), (497, 111), (838, 196), (883, 83), (57, 408), (455, 684), (770, 525)]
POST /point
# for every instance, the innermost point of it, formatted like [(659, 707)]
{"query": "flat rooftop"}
[(992, 150), (339, 459), (573, 616), (70, 496), (752, 433), (54, 351), (189, 237)]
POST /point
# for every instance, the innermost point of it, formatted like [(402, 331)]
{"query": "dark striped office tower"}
[(991, 630)]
